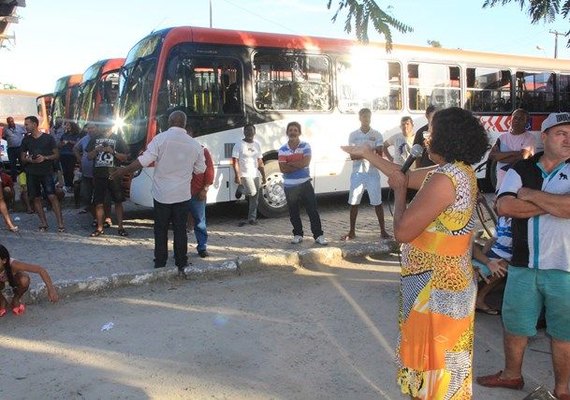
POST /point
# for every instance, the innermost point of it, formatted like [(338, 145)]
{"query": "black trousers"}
[(164, 215)]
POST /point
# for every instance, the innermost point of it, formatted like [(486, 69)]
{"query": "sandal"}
[(107, 223), (20, 310), (487, 310), (123, 232), (14, 229), (43, 228), (97, 232), (61, 229)]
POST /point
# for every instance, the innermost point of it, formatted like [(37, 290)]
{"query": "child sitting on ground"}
[(14, 272), (492, 261)]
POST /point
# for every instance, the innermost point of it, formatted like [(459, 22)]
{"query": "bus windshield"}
[(135, 89), (97, 98)]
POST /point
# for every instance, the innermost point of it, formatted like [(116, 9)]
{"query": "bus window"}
[(535, 91), (488, 89), (373, 84), (434, 84), (208, 90), (295, 82), (564, 86)]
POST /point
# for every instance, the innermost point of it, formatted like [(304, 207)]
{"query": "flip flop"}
[(61, 229), (96, 233), (346, 238), (43, 228), (14, 229), (2, 312), (488, 311), (20, 310)]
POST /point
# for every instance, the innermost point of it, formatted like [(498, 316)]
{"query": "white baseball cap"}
[(555, 119)]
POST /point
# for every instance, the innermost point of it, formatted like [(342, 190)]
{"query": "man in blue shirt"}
[(294, 159)]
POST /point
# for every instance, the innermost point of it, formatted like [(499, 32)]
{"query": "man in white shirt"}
[(247, 160), (13, 134), (402, 142), (176, 156), (365, 176), (517, 144)]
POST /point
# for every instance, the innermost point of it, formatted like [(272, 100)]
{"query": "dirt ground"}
[(327, 332)]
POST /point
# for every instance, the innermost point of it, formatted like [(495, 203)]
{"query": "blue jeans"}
[(252, 193), (198, 211), (177, 214), (305, 194)]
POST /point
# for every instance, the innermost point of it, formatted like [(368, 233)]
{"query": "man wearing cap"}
[(536, 194)]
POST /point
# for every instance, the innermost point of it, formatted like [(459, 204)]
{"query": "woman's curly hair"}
[(457, 135)]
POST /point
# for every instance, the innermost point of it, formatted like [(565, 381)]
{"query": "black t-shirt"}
[(104, 163), (43, 145), (424, 160)]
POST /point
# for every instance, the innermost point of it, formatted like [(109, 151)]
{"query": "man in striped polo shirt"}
[(294, 159), (536, 194)]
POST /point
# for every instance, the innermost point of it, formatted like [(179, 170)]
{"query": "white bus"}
[(224, 79)]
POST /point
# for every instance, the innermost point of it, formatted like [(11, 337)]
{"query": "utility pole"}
[(211, 15), (556, 34)]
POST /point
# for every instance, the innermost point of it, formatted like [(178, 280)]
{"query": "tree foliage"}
[(434, 43), (360, 13)]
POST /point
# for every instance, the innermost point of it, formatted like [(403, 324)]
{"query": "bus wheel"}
[(272, 202)]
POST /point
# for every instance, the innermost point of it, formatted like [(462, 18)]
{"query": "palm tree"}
[(361, 12)]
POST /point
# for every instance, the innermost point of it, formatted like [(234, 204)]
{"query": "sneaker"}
[(297, 239), (321, 240), (203, 253), (252, 222)]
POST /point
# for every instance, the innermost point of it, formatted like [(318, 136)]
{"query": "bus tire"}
[(272, 202)]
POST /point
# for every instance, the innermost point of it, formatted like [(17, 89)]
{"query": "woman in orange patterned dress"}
[(438, 287)]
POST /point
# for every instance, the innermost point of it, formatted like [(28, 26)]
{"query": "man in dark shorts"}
[(39, 153), (107, 150)]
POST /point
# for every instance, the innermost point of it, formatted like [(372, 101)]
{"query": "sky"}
[(63, 37)]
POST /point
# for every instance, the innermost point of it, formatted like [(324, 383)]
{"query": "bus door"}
[(209, 90)]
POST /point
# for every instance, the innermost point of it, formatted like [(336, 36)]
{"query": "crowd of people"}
[(530, 250), (441, 261)]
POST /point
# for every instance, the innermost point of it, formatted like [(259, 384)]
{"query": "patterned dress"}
[(437, 301)]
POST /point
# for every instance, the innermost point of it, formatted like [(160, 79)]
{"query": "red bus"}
[(65, 97), (98, 91), (224, 79)]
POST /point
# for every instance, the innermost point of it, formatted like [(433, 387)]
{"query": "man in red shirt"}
[(199, 190)]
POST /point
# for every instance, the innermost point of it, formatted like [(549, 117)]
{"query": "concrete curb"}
[(255, 262)]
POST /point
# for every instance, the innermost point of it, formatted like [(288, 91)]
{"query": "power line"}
[(261, 17)]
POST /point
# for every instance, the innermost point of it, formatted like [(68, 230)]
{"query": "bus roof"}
[(321, 44), (102, 67), (67, 81)]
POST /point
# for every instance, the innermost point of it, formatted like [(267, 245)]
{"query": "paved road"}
[(322, 332), (74, 256)]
